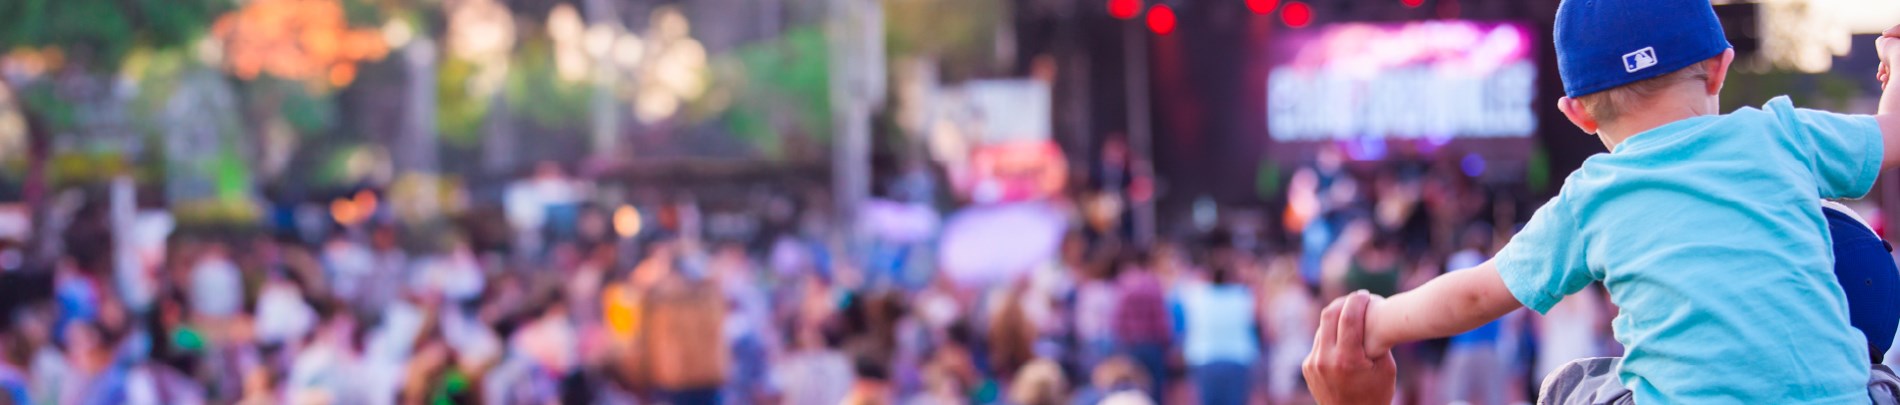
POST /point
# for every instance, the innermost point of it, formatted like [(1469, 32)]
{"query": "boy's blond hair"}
[(1608, 105)]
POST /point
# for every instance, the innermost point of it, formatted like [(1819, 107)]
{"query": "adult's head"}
[(1119, 373), (1039, 383), (1864, 266)]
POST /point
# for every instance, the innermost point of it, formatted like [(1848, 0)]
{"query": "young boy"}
[(1864, 266), (1703, 227)]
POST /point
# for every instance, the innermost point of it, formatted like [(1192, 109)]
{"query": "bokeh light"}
[(1124, 9), (627, 221), (296, 39), (1472, 165), (1262, 6), (571, 42), (1161, 19), (1296, 14)]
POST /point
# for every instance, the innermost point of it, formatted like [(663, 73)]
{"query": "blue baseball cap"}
[(1604, 44), (1865, 268)]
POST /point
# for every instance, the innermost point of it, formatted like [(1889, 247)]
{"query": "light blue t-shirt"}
[(1216, 323), (1706, 234)]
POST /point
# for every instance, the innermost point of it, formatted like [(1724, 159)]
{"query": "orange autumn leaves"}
[(295, 39)]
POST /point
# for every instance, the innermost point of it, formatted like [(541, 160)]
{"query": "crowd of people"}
[(379, 313)]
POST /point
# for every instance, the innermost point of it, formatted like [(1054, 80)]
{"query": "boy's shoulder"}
[(1773, 110), (1767, 117), (1781, 115), (1711, 145), (1781, 128), (1739, 131)]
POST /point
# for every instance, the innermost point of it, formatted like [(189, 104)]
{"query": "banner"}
[(1431, 79)]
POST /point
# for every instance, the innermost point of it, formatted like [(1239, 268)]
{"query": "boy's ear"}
[(1573, 110), (1719, 72)]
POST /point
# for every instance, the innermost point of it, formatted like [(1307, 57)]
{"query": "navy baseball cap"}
[(1605, 44), (1865, 268)]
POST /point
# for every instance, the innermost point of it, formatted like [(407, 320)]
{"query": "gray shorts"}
[(1593, 381)]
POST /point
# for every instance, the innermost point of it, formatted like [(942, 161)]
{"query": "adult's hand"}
[(1339, 371)]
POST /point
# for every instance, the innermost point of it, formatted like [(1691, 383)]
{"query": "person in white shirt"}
[(217, 287)]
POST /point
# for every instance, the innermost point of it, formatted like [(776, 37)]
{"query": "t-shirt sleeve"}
[(1842, 150), (1545, 261)]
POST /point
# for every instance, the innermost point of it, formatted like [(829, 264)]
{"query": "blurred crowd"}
[(369, 315)]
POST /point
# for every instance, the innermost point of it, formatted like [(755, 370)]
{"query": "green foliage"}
[(56, 113), (230, 175), (362, 13), (308, 113), (1825, 91), (84, 168), (199, 214), (959, 33), (751, 125), (332, 165), (1537, 171), (158, 74), (787, 81), (459, 114), (99, 33), (12, 169), (167, 23), (534, 89), (1267, 180)]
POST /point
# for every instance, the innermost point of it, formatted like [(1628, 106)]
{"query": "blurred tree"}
[(534, 90), (961, 34), (1826, 91), (97, 34), (783, 92), (460, 112), (82, 44)]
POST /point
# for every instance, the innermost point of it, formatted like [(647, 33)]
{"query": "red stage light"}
[(1267, 6), (1124, 9), (1161, 19), (1296, 14), (1412, 3)]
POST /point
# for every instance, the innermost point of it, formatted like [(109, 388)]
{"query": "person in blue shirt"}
[(1475, 366), (1702, 227), (1220, 335), (13, 378)]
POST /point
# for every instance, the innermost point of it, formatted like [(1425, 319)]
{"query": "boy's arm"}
[(1453, 303)]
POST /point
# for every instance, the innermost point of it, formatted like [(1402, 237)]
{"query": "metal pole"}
[(1135, 60), (605, 131), (850, 169), (857, 83), (415, 152)]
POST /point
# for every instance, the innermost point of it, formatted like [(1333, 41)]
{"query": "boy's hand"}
[(1883, 74), (1888, 48)]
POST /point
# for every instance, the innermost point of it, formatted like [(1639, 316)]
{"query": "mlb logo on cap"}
[(1639, 60)]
